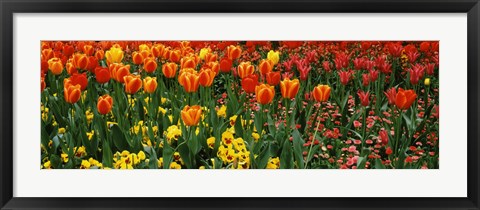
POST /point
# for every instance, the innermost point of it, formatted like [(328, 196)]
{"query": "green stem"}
[(313, 139)]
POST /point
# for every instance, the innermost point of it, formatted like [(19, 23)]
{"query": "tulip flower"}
[(364, 97), (210, 57), (326, 66), (88, 50), (430, 68), (344, 77), (274, 56), (427, 82), (71, 92), (391, 95), (118, 71), (157, 50), (405, 98), (214, 66), (265, 66), (102, 75), (169, 70), (304, 69), (188, 62), (289, 88), (42, 84), (416, 73), (244, 69), (174, 56), (234, 52), (137, 58), (104, 104), (55, 65), (264, 93), (321, 93), (373, 75), (383, 136), (133, 83), (189, 80), (92, 63), (206, 77), (71, 69), (47, 54), (99, 54), (150, 65), (80, 79), (80, 61), (114, 55), (273, 78), (249, 83), (204, 52), (191, 115), (365, 79), (150, 84), (225, 65), (395, 49)]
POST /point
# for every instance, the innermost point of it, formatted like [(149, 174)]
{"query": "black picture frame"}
[(9, 7)]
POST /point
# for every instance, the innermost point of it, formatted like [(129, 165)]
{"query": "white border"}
[(449, 181)]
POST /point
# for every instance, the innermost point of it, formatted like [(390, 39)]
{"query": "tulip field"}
[(239, 104)]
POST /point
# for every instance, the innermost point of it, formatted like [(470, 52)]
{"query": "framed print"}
[(240, 105)]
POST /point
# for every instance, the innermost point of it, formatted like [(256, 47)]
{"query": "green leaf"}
[(378, 164), (238, 126), (119, 139), (262, 158), (298, 148), (153, 163), (107, 158), (167, 154), (361, 162), (185, 155), (286, 158)]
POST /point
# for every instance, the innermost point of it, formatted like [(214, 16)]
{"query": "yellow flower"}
[(203, 52), (80, 151), (255, 136), (273, 163), (211, 142), (47, 165), (125, 153), (427, 81), (160, 162), (64, 157), (202, 167), (89, 116), (227, 138), (222, 111), (94, 162), (61, 130), (114, 55), (173, 132), (110, 124), (85, 164), (239, 144), (233, 119), (90, 134), (274, 56), (162, 110), (163, 100), (141, 155), (174, 165)]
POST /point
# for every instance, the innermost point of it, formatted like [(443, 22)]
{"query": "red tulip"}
[(364, 97), (405, 98), (249, 83), (273, 78), (344, 77)]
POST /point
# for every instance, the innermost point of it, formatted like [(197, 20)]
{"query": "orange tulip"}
[(47, 54), (321, 93), (71, 68), (405, 98), (174, 55), (55, 65), (99, 54), (150, 65), (273, 78), (225, 65), (80, 61), (118, 71), (114, 55), (104, 104), (234, 52), (264, 93), (71, 92), (169, 70), (150, 84), (206, 77), (244, 69), (188, 62), (191, 115), (189, 79), (133, 83), (210, 57), (88, 50), (157, 50), (137, 58), (289, 88), (214, 66), (265, 66), (42, 84)]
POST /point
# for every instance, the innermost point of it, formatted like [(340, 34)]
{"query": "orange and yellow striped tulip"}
[(244, 69), (264, 93), (150, 65), (71, 92), (114, 55), (206, 77), (321, 93), (133, 83), (289, 88), (104, 104), (191, 115), (55, 65), (150, 84), (169, 70)]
